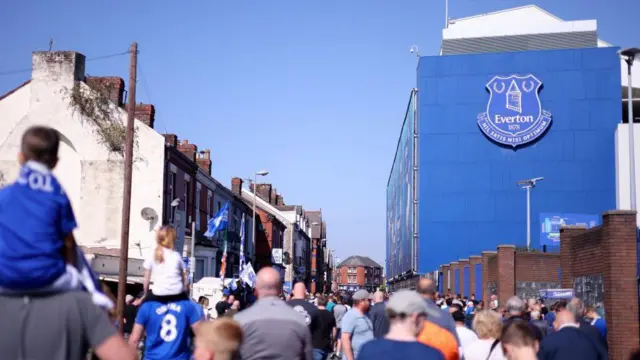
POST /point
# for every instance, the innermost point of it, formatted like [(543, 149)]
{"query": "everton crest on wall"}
[(514, 114)]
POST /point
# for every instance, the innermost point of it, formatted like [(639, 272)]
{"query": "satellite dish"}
[(148, 214), (175, 202)]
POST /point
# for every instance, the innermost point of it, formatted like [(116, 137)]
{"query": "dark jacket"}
[(593, 333), (379, 319), (542, 325), (571, 343)]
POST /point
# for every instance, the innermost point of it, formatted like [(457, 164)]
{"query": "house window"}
[(197, 199), (219, 207), (172, 195), (209, 202), (187, 190)]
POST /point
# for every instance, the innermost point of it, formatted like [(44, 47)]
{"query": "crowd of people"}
[(52, 307)]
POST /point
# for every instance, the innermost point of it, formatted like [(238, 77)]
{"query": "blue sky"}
[(313, 91)]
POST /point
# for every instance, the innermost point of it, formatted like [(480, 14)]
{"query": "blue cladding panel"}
[(468, 200), (478, 289), (400, 199), (466, 281), (456, 278)]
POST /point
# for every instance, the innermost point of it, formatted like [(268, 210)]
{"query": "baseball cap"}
[(128, 299), (361, 295), (407, 302)]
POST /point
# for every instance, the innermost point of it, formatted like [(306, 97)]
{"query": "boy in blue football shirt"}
[(37, 247), (167, 328)]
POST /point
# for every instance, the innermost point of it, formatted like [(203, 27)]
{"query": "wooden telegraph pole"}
[(126, 197)]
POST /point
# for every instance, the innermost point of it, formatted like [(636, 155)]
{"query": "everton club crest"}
[(514, 113)]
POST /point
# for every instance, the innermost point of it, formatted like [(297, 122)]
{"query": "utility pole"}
[(128, 173)]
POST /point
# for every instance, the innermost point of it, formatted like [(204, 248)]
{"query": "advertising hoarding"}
[(551, 223), (400, 196)]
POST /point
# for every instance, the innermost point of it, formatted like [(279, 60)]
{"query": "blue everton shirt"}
[(35, 217), (167, 328)]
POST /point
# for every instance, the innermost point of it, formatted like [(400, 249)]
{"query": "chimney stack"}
[(236, 186), (53, 73), (204, 161), (109, 87), (279, 200), (272, 197), (264, 192), (171, 139), (146, 113), (189, 150)]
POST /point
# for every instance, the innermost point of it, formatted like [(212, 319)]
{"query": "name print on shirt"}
[(36, 180)]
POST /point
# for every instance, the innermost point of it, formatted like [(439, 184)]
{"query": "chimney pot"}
[(204, 161)]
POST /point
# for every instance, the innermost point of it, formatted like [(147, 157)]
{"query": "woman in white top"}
[(488, 326), (165, 269)]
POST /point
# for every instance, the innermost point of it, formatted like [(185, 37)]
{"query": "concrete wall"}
[(623, 189), (90, 173)]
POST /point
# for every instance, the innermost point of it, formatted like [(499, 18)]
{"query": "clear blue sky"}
[(313, 91)]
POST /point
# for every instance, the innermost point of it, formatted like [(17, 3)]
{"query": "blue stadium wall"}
[(467, 193)]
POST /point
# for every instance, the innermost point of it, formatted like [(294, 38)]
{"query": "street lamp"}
[(255, 185), (528, 185), (629, 56)]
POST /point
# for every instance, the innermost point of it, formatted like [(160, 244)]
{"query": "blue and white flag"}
[(248, 275), (242, 259), (218, 222)]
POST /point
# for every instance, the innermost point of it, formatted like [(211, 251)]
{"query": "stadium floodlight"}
[(528, 184)]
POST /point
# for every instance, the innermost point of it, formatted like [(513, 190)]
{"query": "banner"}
[(248, 275)]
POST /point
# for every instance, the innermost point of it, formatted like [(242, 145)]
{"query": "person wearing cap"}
[(407, 313), (357, 328)]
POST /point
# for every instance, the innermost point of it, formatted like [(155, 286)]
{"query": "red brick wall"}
[(532, 266), (445, 278), (454, 266), (581, 253), (463, 263), (360, 276), (506, 272), (264, 239), (343, 275), (610, 250)]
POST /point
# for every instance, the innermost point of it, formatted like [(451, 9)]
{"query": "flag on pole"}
[(248, 275), (218, 222), (223, 262), (242, 259)]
